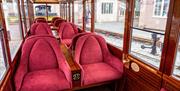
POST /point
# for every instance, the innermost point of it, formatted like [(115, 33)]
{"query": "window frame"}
[(161, 11)]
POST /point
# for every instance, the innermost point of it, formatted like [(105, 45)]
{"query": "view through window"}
[(176, 71), (3, 62), (40, 10), (78, 12), (12, 25), (147, 33), (110, 20)]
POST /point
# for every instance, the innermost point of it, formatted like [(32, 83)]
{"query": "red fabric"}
[(40, 28), (57, 22), (163, 89), (99, 72), (40, 56), (54, 19), (27, 72), (45, 80), (67, 31), (115, 65), (91, 52), (67, 41), (75, 38)]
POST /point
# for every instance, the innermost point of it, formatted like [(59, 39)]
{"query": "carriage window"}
[(13, 27), (107, 8), (161, 8), (40, 10), (26, 14), (78, 12), (147, 33), (53, 11), (3, 61), (176, 71), (109, 20)]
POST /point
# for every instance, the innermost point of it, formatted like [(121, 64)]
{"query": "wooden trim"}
[(5, 80), (69, 10), (5, 36), (20, 19), (66, 11), (72, 11), (92, 15), (84, 15), (75, 69), (171, 39), (24, 15), (128, 22)]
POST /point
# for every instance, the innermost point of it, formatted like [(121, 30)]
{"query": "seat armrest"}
[(20, 74), (114, 62), (73, 66)]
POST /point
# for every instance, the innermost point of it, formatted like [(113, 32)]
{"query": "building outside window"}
[(161, 8), (107, 8)]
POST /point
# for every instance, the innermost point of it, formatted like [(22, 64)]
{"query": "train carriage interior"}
[(89, 45)]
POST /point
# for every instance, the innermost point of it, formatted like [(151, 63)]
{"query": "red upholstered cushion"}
[(40, 59), (163, 89), (68, 31), (46, 80), (91, 52), (41, 29), (99, 72), (67, 41)]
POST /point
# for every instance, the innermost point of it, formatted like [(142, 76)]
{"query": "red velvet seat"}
[(163, 89), (98, 65), (54, 19), (66, 32), (40, 28), (57, 22), (75, 38), (40, 20), (42, 66)]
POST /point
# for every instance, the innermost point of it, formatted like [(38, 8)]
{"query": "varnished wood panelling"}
[(147, 79)]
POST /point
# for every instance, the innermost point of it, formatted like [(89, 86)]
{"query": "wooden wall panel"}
[(146, 79)]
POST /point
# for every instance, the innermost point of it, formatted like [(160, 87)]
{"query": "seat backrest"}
[(57, 22), (67, 30), (40, 53), (88, 49), (40, 19), (75, 38), (163, 89), (54, 19), (40, 28)]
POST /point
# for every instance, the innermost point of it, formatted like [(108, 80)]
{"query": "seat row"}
[(44, 67), (66, 30)]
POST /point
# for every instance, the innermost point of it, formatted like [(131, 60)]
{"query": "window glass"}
[(22, 17), (78, 12), (26, 14), (40, 10), (88, 16), (147, 33), (3, 62), (161, 8), (53, 11), (13, 26), (176, 71), (110, 19)]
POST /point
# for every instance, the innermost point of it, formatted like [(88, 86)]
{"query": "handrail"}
[(148, 30)]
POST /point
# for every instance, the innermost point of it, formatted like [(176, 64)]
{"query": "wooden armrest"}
[(75, 69), (54, 28)]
